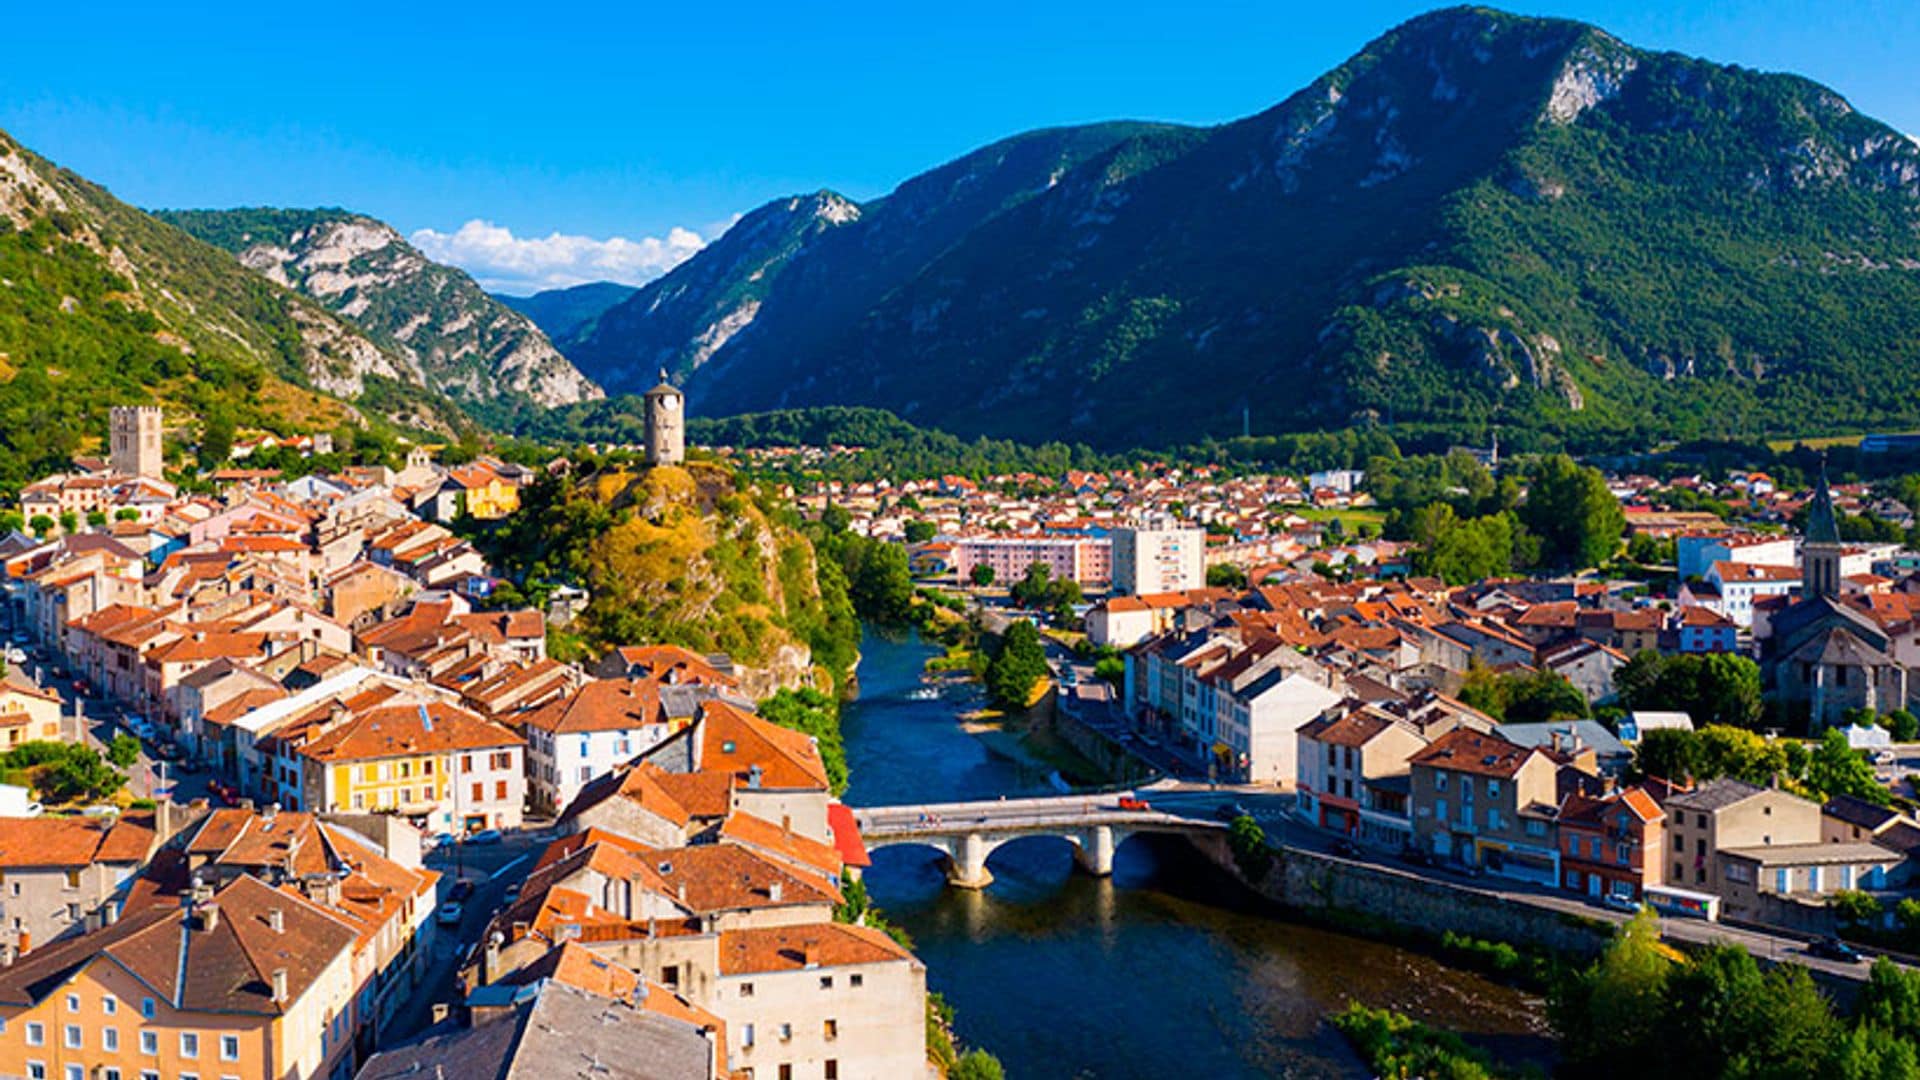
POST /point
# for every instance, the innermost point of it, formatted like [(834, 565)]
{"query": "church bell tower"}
[(666, 424)]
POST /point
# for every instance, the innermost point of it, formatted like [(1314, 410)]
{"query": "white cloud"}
[(503, 262)]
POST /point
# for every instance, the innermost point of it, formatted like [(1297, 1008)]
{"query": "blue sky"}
[(543, 144)]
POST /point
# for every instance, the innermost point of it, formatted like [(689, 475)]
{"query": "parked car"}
[(16, 655), (1129, 802), (1621, 903), (1885, 757), (450, 913), (461, 890), (486, 836), (1832, 948), (1343, 846)]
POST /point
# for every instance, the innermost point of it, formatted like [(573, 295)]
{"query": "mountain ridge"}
[(1478, 220), (453, 335)]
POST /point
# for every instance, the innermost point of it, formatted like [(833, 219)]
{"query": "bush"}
[(1393, 1044), (124, 750), (1250, 851)]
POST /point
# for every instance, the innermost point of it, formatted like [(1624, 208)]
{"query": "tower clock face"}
[(670, 404)]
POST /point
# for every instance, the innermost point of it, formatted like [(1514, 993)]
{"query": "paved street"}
[(492, 868)]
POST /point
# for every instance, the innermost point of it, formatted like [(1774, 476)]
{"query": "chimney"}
[(753, 777), (280, 984), (683, 892), (808, 958), (207, 914), (773, 892), (277, 920), (270, 812)]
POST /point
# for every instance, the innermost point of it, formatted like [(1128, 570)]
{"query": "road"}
[(491, 868)]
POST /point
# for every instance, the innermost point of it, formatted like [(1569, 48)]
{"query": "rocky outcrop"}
[(449, 334)]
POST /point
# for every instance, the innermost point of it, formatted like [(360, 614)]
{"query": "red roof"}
[(846, 836)]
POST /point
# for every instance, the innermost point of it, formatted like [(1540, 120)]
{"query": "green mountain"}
[(1478, 220), (799, 269), (452, 335), (101, 304), (563, 314)]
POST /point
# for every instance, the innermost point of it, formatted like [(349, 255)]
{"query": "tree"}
[(1226, 576), (126, 513), (1110, 669), (1742, 754), (41, 525), (216, 440), (1543, 695), (69, 521), (881, 585), (1890, 998), (977, 1064), (1902, 725), (1853, 908), (1569, 507), (981, 575), (96, 518), (919, 532), (812, 713), (1612, 1017), (1018, 667), (1668, 753), (1034, 589), (1713, 688), (1836, 768), (124, 750)]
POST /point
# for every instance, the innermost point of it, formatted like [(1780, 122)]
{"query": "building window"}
[(786, 1032), (189, 1044), (110, 1005), (110, 1039), (1782, 881), (746, 990), (36, 1033), (746, 1035), (500, 789), (826, 982), (150, 1042), (146, 1008), (229, 1048), (856, 981), (71, 1037), (786, 1072), (36, 1070), (73, 1002), (830, 1029), (833, 1069)]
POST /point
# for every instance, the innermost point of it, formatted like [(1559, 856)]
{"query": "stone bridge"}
[(966, 833)]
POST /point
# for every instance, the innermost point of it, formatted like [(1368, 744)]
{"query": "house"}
[(61, 876), (268, 994), (28, 713), (1354, 774), (433, 762), (571, 740), (527, 1030), (1634, 726), (1612, 845), (1727, 814), (1755, 880), (1588, 665), (1586, 742), (1479, 800)]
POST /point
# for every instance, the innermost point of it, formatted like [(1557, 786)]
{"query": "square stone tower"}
[(666, 424), (134, 441)]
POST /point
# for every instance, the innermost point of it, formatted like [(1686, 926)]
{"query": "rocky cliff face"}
[(1478, 219), (450, 334), (103, 304)]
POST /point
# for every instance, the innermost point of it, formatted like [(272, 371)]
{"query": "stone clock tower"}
[(666, 424)]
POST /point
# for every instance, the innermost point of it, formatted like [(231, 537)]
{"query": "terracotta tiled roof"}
[(782, 843), (794, 948), (1470, 751), (395, 731), (600, 705), (64, 842), (735, 740)]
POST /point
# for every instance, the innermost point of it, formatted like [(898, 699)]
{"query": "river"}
[(1165, 970)]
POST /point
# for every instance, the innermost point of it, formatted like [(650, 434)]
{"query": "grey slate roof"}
[(564, 1033), (1715, 794)]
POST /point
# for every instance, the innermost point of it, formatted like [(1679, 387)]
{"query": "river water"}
[(1165, 970)]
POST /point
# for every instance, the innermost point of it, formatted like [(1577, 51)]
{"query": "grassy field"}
[(1347, 518)]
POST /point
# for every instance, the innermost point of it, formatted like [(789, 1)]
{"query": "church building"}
[(1830, 652)]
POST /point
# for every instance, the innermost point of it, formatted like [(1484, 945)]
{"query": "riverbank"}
[(1171, 968)]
